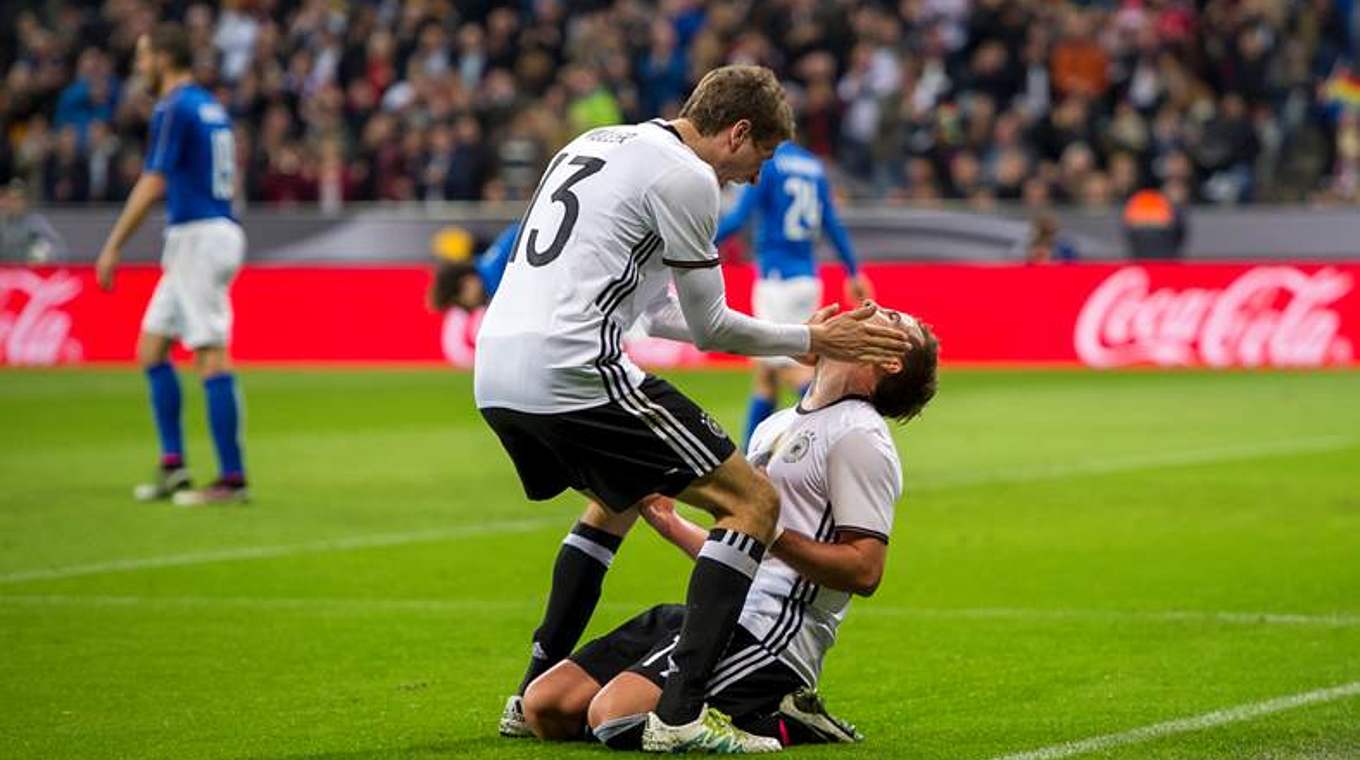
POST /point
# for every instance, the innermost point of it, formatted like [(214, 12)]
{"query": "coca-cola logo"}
[(33, 328), (1276, 316), (459, 336)]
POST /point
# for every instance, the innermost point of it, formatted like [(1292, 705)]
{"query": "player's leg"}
[(620, 715), (765, 303), (153, 355), (578, 575), (555, 704), (746, 508), (217, 250)]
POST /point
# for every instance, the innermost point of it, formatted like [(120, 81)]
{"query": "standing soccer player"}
[(191, 161), (620, 214), (793, 200)]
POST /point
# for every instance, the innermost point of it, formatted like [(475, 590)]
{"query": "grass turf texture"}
[(1050, 520)]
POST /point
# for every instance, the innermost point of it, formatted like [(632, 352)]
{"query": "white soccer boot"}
[(806, 708), (711, 732), (513, 725), (164, 484)]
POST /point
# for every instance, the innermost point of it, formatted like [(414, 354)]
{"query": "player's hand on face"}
[(858, 288), (104, 268), (854, 337), (822, 315)]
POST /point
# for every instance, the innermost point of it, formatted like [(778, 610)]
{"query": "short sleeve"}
[(684, 207), (865, 481), (168, 126)]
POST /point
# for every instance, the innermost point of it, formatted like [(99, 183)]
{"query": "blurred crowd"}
[(918, 101)]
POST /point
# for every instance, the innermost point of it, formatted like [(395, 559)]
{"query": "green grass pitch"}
[(1078, 555)]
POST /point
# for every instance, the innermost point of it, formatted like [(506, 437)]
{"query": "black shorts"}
[(643, 645), (657, 442)]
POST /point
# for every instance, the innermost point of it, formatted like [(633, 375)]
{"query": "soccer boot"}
[(806, 708), (711, 732), (167, 482), (221, 493), (513, 725)]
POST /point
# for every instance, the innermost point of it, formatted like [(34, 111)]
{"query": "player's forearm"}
[(713, 326), (667, 321), (685, 535), (149, 189), (841, 567)]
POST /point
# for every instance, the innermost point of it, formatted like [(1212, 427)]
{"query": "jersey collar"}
[(800, 409)]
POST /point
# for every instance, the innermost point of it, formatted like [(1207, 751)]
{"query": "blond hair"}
[(729, 94)]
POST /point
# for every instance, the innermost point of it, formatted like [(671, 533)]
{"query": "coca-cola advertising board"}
[(1175, 315)]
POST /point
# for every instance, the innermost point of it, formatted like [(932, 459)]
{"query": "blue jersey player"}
[(793, 199), (191, 160)]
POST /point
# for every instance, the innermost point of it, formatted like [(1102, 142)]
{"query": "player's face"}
[(745, 156), (909, 327)]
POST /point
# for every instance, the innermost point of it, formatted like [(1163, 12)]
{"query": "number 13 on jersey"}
[(571, 210)]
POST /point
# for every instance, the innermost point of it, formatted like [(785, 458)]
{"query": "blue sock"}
[(165, 404), (756, 412), (224, 419)]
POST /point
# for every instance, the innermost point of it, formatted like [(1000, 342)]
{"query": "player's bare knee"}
[(603, 708), (545, 712)]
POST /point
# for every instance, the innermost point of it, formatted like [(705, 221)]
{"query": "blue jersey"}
[(192, 146), (491, 264), (793, 198)]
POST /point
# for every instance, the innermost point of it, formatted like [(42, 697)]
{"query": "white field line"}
[(1018, 475), (1333, 620), (1185, 725), (1134, 462), (281, 550), (361, 605)]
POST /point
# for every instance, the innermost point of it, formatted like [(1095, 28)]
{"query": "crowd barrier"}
[(1098, 315)]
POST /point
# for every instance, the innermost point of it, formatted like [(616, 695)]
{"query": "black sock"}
[(577, 577), (717, 590)]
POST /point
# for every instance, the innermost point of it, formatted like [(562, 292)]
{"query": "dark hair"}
[(448, 283), (171, 39), (903, 394), (729, 94)]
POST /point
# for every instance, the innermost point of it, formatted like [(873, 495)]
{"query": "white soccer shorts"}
[(198, 263), (790, 301)]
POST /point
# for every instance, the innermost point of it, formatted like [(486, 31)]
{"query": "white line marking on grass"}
[(491, 605), (1340, 620), (1018, 475), (1134, 462), (1186, 725), (282, 550)]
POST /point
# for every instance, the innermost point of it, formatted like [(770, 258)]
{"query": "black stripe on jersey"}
[(863, 532), (606, 295), (799, 598), (679, 264), (699, 458)]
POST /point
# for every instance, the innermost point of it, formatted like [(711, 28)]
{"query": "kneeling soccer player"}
[(833, 462)]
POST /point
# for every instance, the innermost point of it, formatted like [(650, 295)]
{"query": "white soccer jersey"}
[(616, 207), (836, 469)]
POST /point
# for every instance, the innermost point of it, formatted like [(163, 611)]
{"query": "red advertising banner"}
[(1214, 315)]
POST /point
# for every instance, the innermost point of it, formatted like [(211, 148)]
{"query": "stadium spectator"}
[(1231, 102), (26, 236)]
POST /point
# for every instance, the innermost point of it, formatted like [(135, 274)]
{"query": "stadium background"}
[(1080, 554)]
